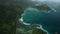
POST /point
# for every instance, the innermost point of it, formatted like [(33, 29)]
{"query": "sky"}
[(53, 0), (47, 0)]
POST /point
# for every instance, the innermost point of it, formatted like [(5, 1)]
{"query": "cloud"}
[(47, 0), (52, 0)]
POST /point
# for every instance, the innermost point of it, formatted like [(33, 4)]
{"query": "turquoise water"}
[(49, 21)]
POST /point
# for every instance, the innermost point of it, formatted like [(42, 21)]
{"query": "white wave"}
[(26, 23), (42, 28), (21, 19)]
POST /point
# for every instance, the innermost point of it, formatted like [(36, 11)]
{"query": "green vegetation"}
[(38, 31), (9, 14), (43, 7)]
